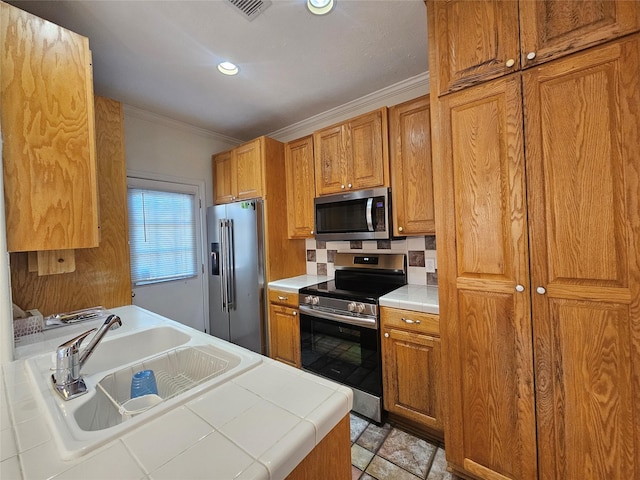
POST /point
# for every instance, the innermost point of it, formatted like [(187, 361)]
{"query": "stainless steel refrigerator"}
[(237, 305)]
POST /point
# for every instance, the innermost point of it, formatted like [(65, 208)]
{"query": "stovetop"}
[(362, 277)]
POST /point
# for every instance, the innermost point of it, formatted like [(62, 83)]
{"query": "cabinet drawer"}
[(283, 298), (410, 320)]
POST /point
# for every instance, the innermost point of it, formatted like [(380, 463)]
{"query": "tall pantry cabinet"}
[(537, 187)]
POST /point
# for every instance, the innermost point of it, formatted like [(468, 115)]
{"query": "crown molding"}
[(156, 118), (392, 95)]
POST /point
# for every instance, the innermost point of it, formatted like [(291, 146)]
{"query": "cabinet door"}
[(224, 178), (472, 41), (551, 28), (48, 132), (484, 288), (367, 157), (284, 330), (330, 162), (411, 369), (583, 170), (300, 187), (248, 160), (411, 172)]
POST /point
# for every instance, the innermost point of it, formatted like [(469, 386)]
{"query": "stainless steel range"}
[(340, 327)]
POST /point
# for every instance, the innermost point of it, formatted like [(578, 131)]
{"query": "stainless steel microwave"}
[(357, 215)]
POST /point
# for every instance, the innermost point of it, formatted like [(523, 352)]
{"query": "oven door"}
[(343, 352)]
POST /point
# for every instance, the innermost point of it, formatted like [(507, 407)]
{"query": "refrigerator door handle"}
[(223, 264), (231, 290)]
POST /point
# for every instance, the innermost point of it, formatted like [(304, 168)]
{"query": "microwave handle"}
[(370, 214)]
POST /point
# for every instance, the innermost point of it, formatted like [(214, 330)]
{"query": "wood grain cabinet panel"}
[(238, 174), (299, 166), (284, 328), (542, 266), (583, 166), (225, 186), (475, 41), (411, 168), (48, 132), (352, 155), (411, 366), (489, 353)]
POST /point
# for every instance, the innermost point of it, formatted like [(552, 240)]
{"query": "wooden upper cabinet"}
[(48, 132), (411, 167), (299, 167), (583, 165), (368, 151), (224, 178), (248, 161), (238, 173), (553, 28), (330, 159), (352, 155), (489, 356), (475, 41)]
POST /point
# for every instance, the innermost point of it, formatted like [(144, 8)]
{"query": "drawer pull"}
[(295, 313), (409, 321), (282, 299)]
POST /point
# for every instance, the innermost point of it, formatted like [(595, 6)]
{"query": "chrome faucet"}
[(67, 380)]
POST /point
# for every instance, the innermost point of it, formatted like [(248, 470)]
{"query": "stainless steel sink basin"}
[(84, 423)]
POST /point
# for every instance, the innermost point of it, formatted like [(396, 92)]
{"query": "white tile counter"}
[(419, 298), (293, 284), (258, 425)]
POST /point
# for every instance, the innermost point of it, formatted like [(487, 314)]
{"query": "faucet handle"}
[(71, 347)]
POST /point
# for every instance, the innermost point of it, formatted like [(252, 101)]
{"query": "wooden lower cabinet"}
[(284, 328), (411, 374), (330, 459)]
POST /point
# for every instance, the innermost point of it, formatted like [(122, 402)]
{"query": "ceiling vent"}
[(250, 9)]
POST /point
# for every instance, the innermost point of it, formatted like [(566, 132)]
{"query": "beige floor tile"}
[(360, 456), (438, 469), (358, 425), (409, 452), (382, 469), (373, 436)]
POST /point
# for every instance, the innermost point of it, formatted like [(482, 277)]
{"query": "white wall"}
[(162, 146)]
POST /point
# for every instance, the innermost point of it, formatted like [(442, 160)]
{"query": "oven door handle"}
[(371, 323)]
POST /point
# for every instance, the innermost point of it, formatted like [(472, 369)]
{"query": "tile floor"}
[(388, 453)]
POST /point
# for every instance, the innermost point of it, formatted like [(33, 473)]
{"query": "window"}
[(162, 235)]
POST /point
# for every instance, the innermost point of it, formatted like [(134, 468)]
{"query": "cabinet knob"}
[(311, 232), (341, 186), (349, 185), (510, 63), (295, 313), (400, 229), (531, 55), (541, 290), (386, 335), (519, 288)]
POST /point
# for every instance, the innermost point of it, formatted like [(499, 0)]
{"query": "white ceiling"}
[(161, 56)]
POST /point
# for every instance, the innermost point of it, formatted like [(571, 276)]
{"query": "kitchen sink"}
[(186, 364)]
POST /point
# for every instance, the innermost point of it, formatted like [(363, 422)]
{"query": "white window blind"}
[(162, 235)]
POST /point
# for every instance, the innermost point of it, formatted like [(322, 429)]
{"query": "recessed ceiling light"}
[(320, 7), (227, 68)]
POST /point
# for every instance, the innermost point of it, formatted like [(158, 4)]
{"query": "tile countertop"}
[(293, 284), (418, 298), (258, 425)]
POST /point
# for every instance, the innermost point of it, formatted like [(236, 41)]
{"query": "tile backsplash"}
[(321, 255)]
